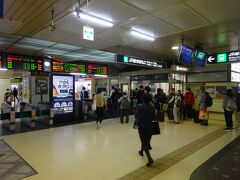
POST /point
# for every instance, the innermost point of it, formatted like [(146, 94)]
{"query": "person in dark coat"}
[(145, 114), (238, 109), (139, 95)]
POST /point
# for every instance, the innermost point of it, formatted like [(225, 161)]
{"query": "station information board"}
[(57, 66), (186, 55), (74, 68), (224, 57), (200, 59), (97, 69), (26, 63), (136, 61)]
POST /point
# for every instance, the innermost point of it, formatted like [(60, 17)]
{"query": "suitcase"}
[(170, 113), (160, 116)]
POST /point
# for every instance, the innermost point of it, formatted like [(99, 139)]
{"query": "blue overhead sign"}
[(1, 8)]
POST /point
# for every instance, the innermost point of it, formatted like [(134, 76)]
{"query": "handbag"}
[(155, 128), (203, 114), (231, 104)]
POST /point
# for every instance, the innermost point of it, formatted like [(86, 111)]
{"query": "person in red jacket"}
[(189, 101)]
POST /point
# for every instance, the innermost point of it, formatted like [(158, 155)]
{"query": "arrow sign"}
[(210, 59)]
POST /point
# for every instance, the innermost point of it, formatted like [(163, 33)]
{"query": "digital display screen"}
[(200, 59), (57, 66), (186, 55), (15, 62), (25, 63), (97, 69), (74, 68), (63, 94)]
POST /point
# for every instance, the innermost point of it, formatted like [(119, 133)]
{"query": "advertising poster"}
[(41, 86), (63, 94)]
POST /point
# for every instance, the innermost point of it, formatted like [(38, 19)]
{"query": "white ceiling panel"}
[(119, 36), (66, 47), (36, 42), (151, 6), (7, 26), (55, 36), (113, 10), (181, 16), (152, 26), (77, 40), (216, 10), (27, 47)]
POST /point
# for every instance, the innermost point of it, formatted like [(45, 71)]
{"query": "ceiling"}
[(213, 24)]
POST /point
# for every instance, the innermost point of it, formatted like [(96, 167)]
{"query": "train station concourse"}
[(120, 89)]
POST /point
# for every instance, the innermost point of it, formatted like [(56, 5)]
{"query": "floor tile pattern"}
[(163, 163), (12, 166)]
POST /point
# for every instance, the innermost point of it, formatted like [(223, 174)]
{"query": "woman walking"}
[(100, 106), (229, 105), (145, 114)]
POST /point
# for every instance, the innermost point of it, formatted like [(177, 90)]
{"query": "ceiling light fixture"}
[(175, 48), (98, 75), (78, 74), (93, 19), (142, 35)]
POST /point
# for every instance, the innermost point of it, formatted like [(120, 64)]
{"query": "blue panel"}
[(1, 8)]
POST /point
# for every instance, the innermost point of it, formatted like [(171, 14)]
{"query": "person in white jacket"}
[(177, 104)]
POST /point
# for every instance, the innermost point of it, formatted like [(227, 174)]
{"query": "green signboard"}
[(125, 59), (222, 58)]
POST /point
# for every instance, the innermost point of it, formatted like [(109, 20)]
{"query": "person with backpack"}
[(177, 103), (205, 102), (229, 105), (124, 107), (114, 101), (170, 104)]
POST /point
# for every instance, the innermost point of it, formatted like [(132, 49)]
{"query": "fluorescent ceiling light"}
[(175, 48), (98, 75), (3, 69), (142, 35), (94, 19), (78, 74)]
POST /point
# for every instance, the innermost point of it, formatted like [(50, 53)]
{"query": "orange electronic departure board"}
[(57, 66), (97, 69)]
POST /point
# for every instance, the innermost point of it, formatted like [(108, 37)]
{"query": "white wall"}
[(5, 84)]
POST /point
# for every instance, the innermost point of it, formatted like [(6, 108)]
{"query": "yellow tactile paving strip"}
[(165, 162)]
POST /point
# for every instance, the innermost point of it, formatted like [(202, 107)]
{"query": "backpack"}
[(125, 104), (209, 101), (179, 103)]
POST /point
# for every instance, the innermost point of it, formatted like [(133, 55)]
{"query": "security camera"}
[(52, 27)]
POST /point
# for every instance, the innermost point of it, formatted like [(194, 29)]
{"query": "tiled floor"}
[(84, 151), (12, 166)]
